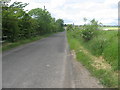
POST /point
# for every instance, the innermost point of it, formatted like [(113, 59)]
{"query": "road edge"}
[(68, 78)]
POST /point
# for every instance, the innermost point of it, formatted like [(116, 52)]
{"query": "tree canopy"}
[(19, 24)]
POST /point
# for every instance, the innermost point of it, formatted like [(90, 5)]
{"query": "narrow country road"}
[(40, 64), (46, 63)]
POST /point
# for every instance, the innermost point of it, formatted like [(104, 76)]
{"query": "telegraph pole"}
[(44, 8)]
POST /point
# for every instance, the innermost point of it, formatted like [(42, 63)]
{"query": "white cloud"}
[(73, 11)]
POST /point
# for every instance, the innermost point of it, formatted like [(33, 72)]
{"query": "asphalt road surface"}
[(40, 64), (45, 63)]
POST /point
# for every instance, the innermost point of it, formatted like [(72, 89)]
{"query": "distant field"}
[(109, 28)]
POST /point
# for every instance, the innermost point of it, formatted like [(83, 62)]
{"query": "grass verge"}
[(96, 65), (7, 46)]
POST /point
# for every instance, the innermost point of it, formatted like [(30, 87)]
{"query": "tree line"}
[(19, 24)]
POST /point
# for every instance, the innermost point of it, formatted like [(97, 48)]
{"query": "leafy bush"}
[(89, 30), (69, 27)]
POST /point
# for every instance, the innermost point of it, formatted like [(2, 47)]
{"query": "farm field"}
[(109, 28)]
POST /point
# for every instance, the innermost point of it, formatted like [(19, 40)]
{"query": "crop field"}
[(109, 28)]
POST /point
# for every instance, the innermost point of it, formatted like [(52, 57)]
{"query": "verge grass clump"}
[(106, 45), (8, 45)]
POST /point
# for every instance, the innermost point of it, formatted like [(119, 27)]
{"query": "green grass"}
[(104, 44), (108, 50), (106, 77), (8, 45)]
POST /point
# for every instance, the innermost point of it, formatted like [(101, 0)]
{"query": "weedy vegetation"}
[(97, 50)]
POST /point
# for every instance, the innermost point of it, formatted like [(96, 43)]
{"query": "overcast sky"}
[(73, 11)]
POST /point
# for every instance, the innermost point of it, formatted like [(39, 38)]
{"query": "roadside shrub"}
[(89, 30), (87, 33), (69, 27)]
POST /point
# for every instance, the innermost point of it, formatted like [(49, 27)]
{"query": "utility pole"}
[(44, 8), (73, 25)]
